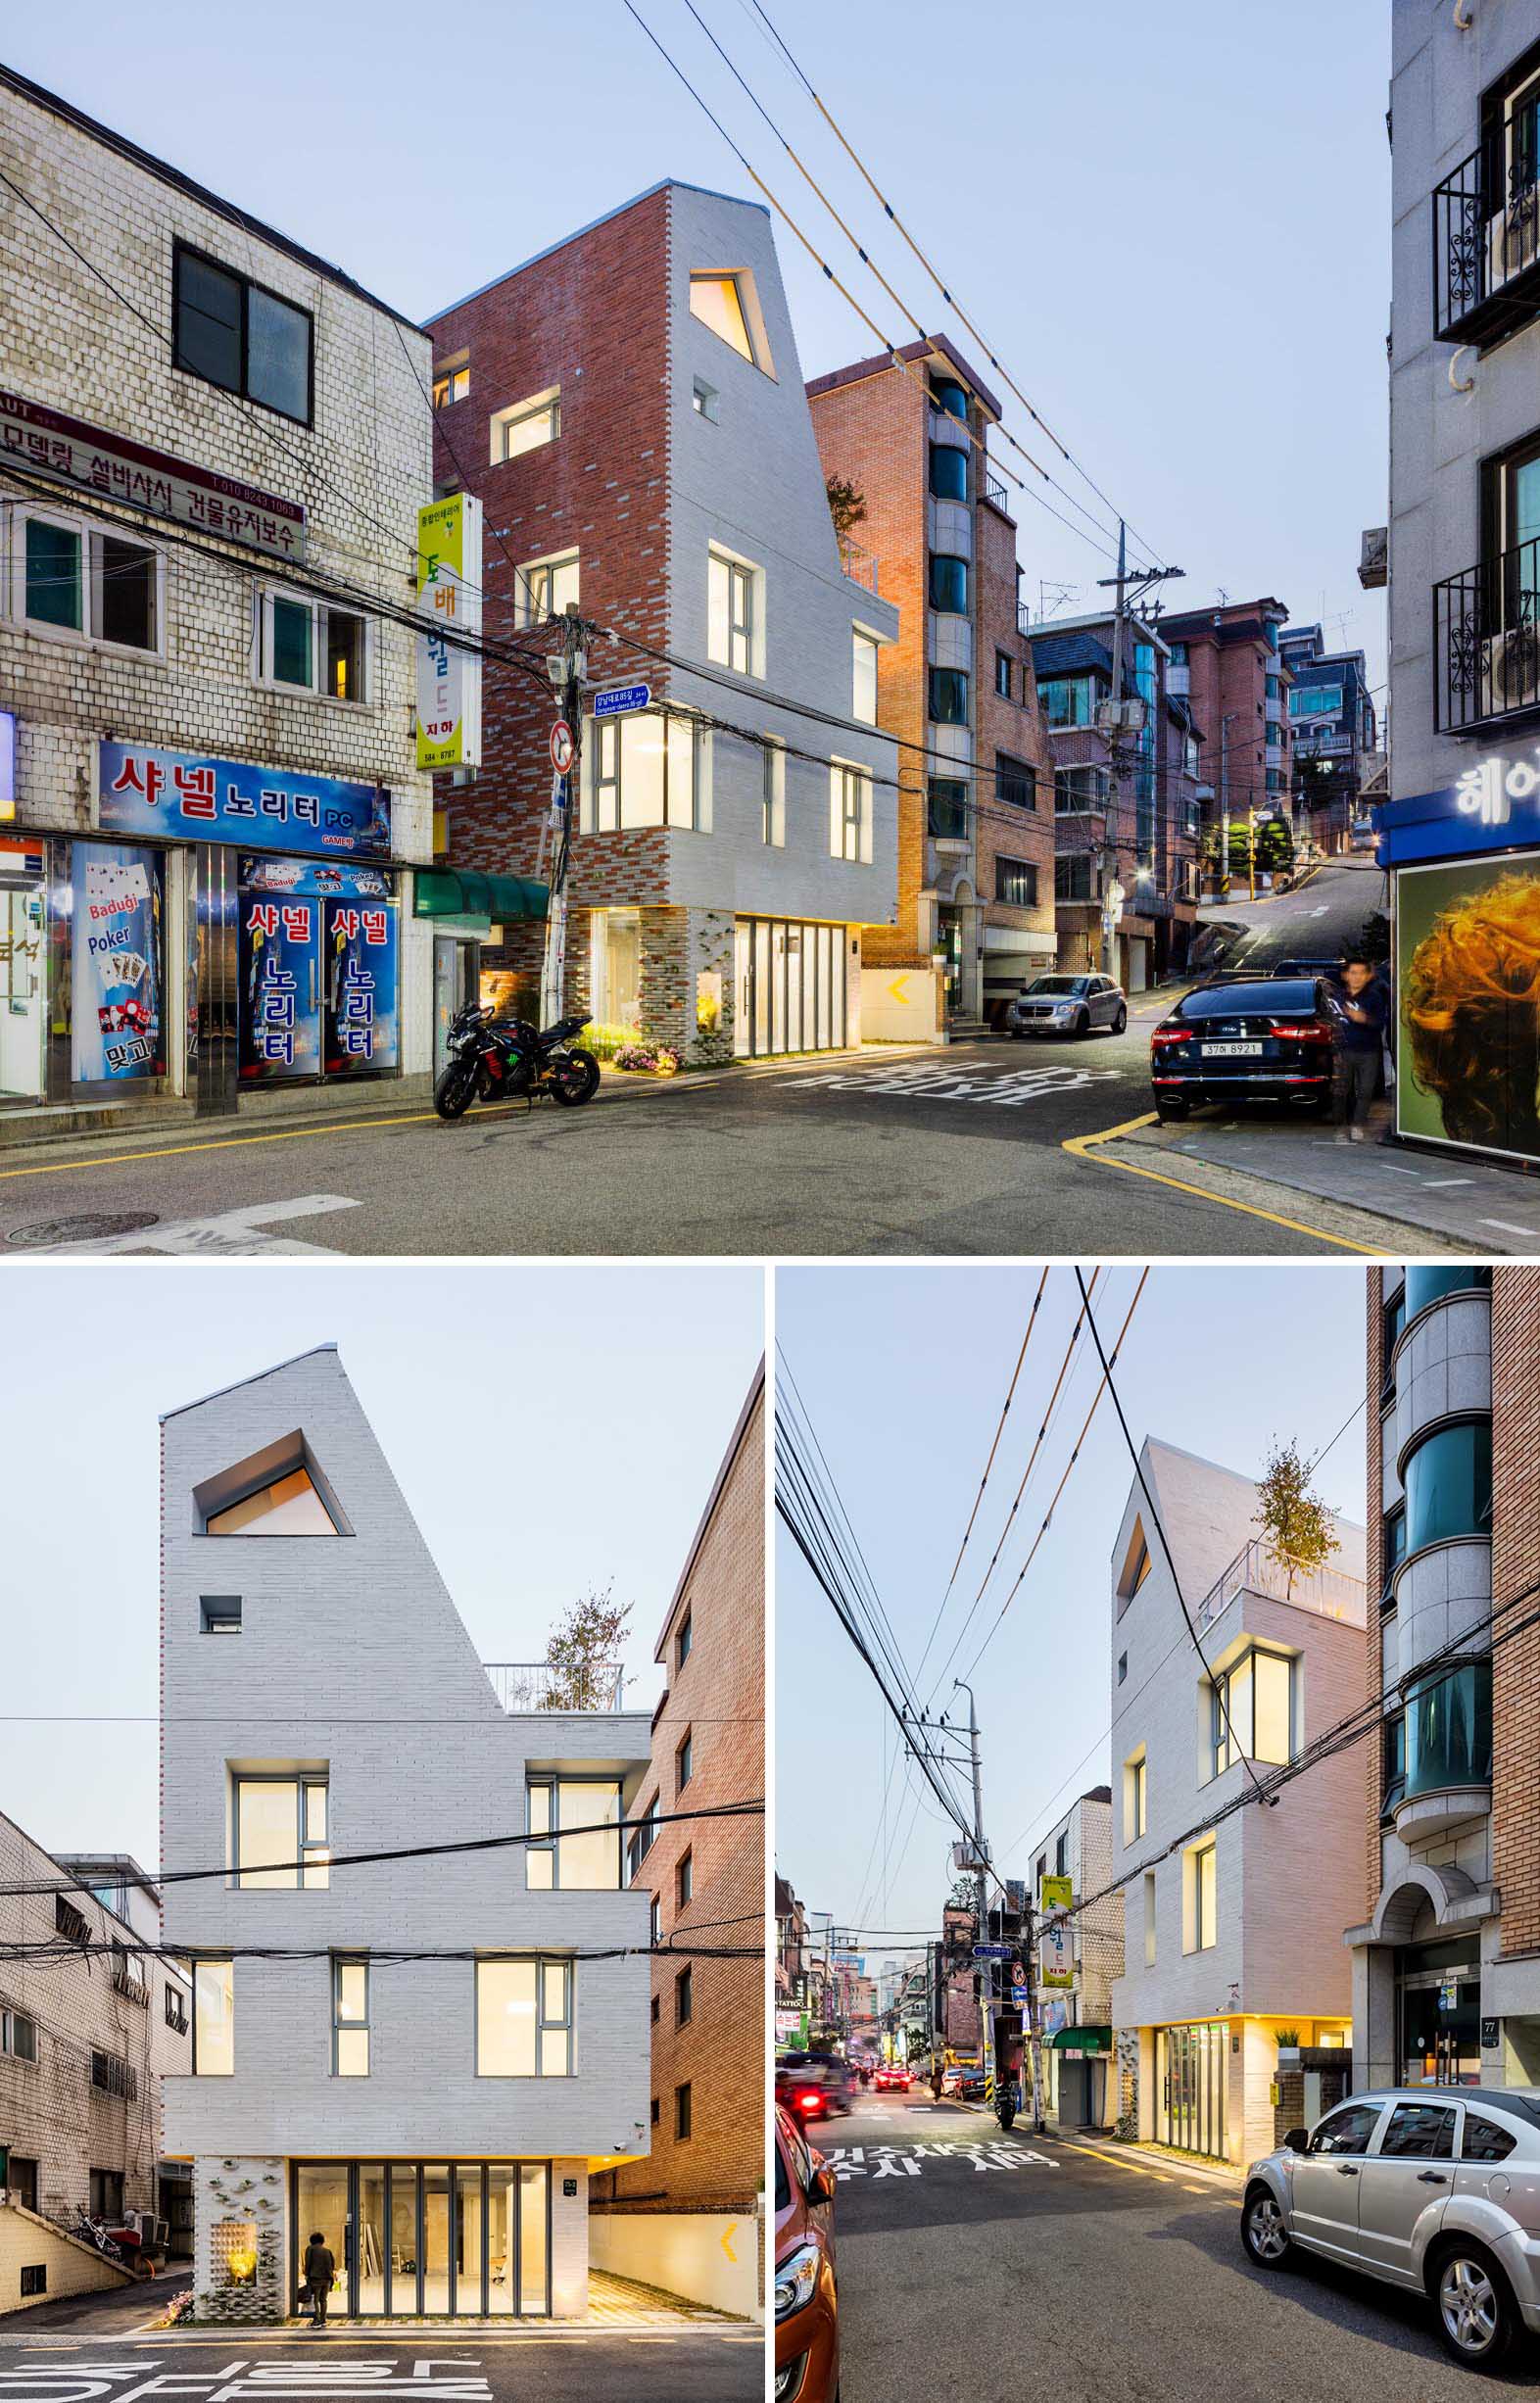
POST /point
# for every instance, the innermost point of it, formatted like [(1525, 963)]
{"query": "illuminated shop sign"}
[(185, 797), (1493, 805)]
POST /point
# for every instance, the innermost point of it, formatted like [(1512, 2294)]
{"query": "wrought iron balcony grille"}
[(1486, 641), (1487, 246), (537, 1685)]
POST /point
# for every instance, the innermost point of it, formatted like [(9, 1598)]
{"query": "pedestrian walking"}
[(1362, 1003), (320, 2267)]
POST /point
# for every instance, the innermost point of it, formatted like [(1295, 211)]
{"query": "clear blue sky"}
[(1171, 225), (903, 1373), (552, 1428)]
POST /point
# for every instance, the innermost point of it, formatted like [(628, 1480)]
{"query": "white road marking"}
[(849, 2161), (1005, 1091), (231, 1232), (1504, 1226)]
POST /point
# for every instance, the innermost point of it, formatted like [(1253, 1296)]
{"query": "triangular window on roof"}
[(1136, 1567), (289, 1504), (718, 301)]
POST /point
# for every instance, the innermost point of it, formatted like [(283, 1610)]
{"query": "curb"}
[(1088, 1146)]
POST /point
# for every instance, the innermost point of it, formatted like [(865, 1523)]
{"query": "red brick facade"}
[(717, 1698), (1230, 660)]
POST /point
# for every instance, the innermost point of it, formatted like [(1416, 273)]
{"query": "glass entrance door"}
[(24, 932), (457, 2238), (1438, 2010), (1194, 2071)]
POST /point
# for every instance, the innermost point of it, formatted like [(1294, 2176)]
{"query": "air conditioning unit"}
[(1510, 670), (1513, 238)]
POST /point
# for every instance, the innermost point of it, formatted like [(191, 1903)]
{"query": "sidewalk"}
[(1450, 1199), (1178, 2168)]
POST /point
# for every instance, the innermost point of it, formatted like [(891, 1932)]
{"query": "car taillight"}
[(1167, 1035), (1309, 1033), (809, 2102)]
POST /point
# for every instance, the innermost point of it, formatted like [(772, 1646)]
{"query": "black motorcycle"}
[(507, 1059)]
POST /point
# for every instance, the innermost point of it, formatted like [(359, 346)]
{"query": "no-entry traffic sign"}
[(561, 746)]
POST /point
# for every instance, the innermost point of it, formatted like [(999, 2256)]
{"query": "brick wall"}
[(1015, 726), (1516, 1569), (874, 432), (717, 1696)]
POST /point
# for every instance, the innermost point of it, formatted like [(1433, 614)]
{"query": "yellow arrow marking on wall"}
[(898, 991), (731, 2230)]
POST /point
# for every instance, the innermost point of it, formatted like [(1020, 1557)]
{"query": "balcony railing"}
[(993, 489), (1330, 1592), (858, 564), (1023, 617), (1487, 246), (1486, 641), (534, 1685)]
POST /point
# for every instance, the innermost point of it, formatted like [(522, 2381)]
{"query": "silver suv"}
[(1432, 2187), (1060, 1004)]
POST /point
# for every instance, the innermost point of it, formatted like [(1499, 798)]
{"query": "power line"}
[(59, 1949), (416, 1851)]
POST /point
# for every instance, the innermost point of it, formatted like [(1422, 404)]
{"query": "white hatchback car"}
[(1435, 2188)]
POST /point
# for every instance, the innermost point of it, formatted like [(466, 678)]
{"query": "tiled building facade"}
[(214, 446), (628, 406), (975, 816), (1226, 661)]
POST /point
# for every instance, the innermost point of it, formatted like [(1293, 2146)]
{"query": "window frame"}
[(321, 613), (684, 1641), (961, 690), (550, 1782), (1004, 680), (684, 2114), (303, 1781), (548, 566), (744, 577), (546, 404), (90, 535), (10, 2020), (684, 1761), (861, 641), (684, 1995), (345, 2025), (1227, 1735), (567, 2024), (178, 2019), (1028, 869), (1015, 782), (213, 1961), (772, 799), (247, 285), (445, 378), (851, 834), (643, 1836), (685, 1879)]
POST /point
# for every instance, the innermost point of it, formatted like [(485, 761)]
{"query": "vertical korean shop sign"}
[(449, 602)]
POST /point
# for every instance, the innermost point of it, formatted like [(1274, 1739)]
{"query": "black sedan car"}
[(1265, 1039)]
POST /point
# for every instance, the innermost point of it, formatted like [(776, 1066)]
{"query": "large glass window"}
[(1426, 1282), (949, 471), (590, 1862), (1015, 883), (544, 589), (647, 769), (89, 583), (1082, 789), (280, 1832), (1068, 700), (524, 2018), (1315, 700), (946, 808), (236, 334), (949, 695), (214, 2019), (1015, 782), (718, 302), (1448, 1485), (948, 584), (1251, 1710), (730, 613), (950, 397), (289, 1506), (1449, 1729), (850, 813), (529, 426), (349, 2019)]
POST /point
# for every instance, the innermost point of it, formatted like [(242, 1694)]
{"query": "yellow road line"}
[(1085, 1146), (237, 1142), (1139, 2169)]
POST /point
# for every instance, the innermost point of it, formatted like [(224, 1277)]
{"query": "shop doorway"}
[(317, 962), (463, 2239), (789, 986), (1194, 2076), (456, 980), (23, 962), (1438, 2014)]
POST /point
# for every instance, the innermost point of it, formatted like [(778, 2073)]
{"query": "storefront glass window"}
[(23, 962), (118, 1012), (1449, 1484), (617, 967)]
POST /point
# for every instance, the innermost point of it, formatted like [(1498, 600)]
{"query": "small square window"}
[(450, 384), (220, 1613), (704, 398), (34, 2277), (528, 428)]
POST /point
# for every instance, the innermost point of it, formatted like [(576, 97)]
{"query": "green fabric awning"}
[(1080, 2040), (458, 892)]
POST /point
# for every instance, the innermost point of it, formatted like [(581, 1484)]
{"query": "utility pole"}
[(566, 671), (981, 1902), (1109, 849), (1224, 807)]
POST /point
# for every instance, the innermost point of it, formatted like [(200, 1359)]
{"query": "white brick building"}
[(1075, 2022), (436, 2119), (1231, 1941), (213, 449)]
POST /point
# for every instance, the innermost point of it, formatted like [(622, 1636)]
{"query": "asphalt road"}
[(1004, 2270), (1325, 919), (555, 2367), (932, 1153)]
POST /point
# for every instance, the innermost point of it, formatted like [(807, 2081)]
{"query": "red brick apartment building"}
[(629, 408), (975, 791), (1226, 661), (1445, 1963), (691, 2208)]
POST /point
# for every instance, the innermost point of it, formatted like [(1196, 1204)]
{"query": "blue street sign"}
[(993, 1952), (624, 696)]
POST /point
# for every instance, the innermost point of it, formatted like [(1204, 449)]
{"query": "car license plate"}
[(1229, 1051)]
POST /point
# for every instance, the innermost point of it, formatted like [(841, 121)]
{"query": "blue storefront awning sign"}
[(185, 797)]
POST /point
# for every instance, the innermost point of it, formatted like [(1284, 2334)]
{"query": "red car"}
[(806, 2317), (891, 2076)]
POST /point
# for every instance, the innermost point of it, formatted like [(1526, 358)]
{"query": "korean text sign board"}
[(184, 798), (120, 468), (116, 1015), (448, 603)]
